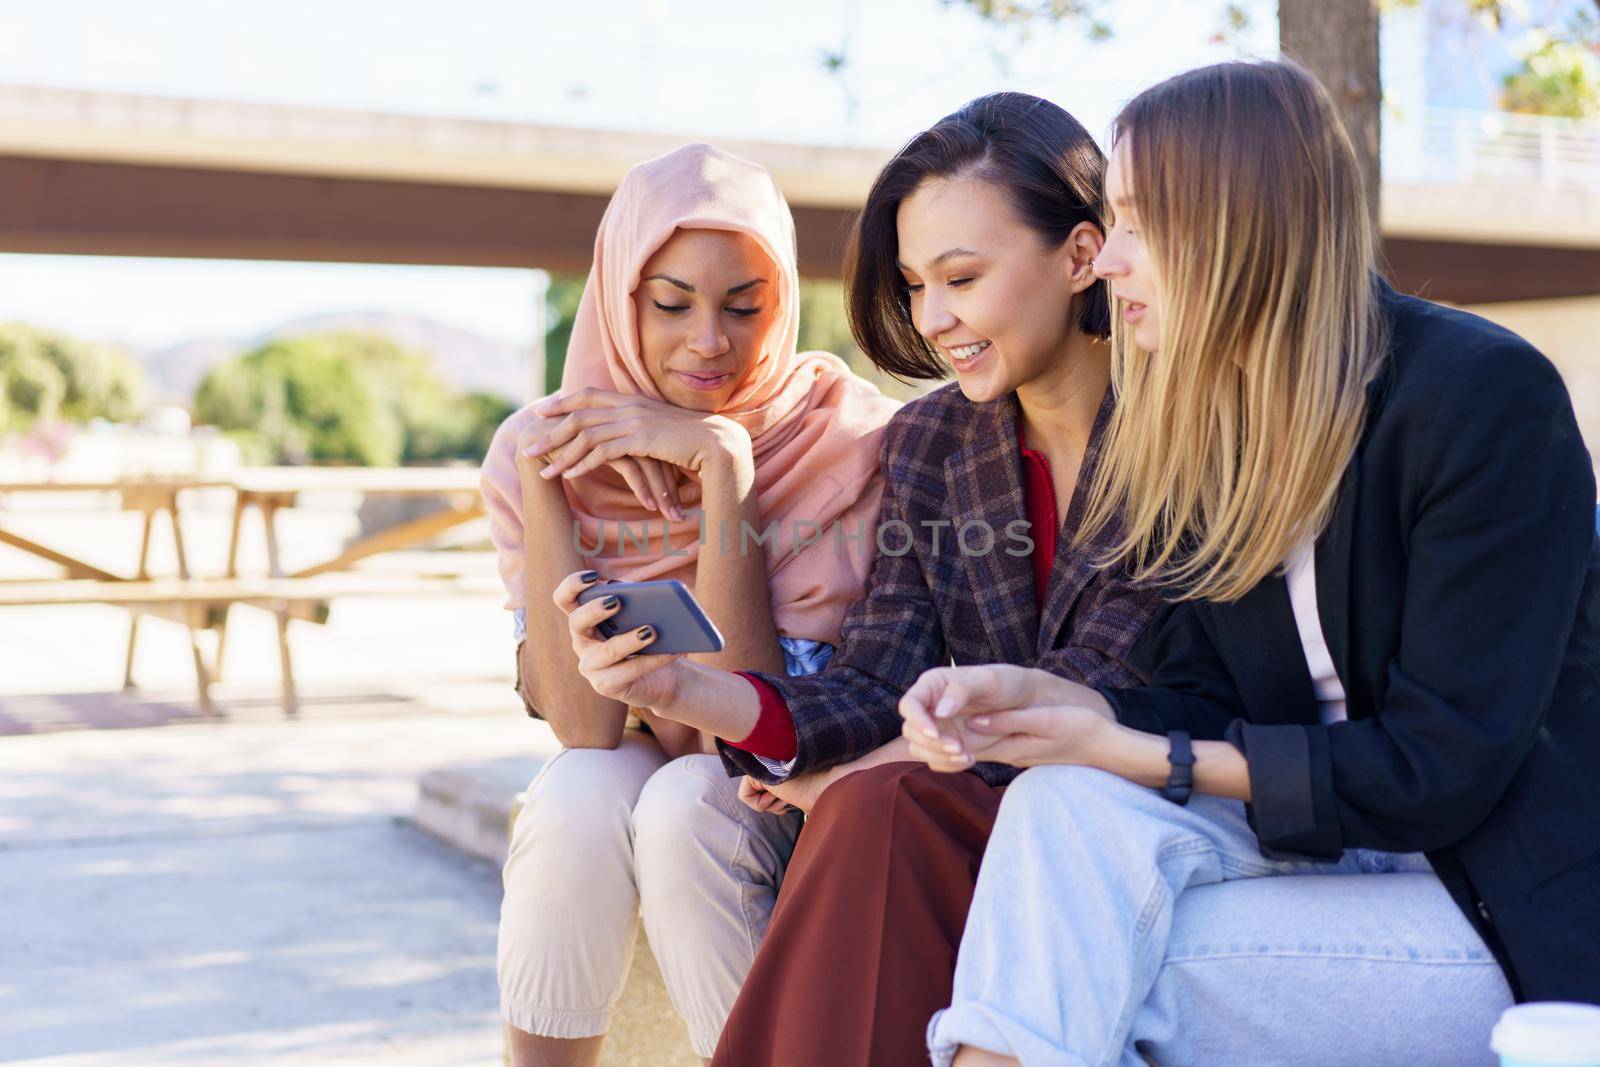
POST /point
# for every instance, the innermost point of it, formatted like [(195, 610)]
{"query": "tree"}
[(345, 397), (304, 399), (1337, 41), (561, 311), (1558, 78), (252, 407), (31, 387), (824, 326), (49, 375), (483, 413), (429, 415), (1023, 15)]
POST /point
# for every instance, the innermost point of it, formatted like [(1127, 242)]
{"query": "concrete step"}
[(472, 806)]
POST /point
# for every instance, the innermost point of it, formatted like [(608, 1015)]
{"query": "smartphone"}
[(681, 624)]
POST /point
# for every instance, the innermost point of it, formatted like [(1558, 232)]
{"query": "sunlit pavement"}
[(243, 894)]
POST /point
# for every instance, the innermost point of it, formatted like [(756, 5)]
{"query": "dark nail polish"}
[(609, 602), (588, 576), (644, 632)]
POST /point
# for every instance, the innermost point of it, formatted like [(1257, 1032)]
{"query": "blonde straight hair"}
[(1228, 444)]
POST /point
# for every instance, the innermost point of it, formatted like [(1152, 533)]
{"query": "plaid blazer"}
[(949, 462)]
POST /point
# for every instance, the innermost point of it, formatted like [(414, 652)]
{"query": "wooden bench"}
[(202, 604)]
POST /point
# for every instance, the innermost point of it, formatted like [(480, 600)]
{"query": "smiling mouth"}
[(705, 382), (963, 356)]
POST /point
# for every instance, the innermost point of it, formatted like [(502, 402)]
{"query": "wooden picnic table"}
[(205, 603), (148, 494), (271, 489)]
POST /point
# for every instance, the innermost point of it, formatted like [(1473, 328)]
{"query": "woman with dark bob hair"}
[(1353, 812), (974, 254)]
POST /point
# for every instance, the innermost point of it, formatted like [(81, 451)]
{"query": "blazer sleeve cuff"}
[(775, 763), (1135, 708), (1158, 711), (773, 735), (1292, 809)]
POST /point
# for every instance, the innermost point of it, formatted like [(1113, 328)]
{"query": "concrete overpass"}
[(121, 174), (117, 174)]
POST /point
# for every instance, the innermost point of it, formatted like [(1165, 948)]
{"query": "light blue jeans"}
[(1110, 925)]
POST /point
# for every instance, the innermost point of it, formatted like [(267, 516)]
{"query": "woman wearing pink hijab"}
[(684, 411)]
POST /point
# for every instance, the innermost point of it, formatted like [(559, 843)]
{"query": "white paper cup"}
[(1548, 1034)]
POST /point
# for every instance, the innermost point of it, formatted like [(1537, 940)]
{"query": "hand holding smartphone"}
[(680, 623)]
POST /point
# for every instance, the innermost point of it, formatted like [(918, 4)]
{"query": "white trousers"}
[(608, 835)]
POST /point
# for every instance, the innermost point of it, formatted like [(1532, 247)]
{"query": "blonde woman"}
[(684, 407), (1355, 812)]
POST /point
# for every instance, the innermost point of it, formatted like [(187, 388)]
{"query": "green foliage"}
[(344, 397), (825, 327), (483, 413), (48, 375), (1559, 78), (561, 310), (30, 385), (1023, 15)]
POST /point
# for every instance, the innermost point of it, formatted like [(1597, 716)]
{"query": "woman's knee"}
[(894, 806), (602, 773), (694, 852), (874, 791), (584, 797), (679, 797)]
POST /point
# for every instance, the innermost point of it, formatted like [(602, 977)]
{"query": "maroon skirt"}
[(862, 946)]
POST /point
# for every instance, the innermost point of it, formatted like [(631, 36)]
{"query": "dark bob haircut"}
[(1044, 159)]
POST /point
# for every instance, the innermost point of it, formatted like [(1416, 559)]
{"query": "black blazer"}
[(1458, 586)]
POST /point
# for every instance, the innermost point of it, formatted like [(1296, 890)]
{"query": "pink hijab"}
[(815, 425)]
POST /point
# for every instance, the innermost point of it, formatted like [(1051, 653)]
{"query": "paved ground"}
[(242, 894), (253, 894)]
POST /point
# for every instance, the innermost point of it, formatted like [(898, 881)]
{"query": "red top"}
[(1039, 499), (774, 735)]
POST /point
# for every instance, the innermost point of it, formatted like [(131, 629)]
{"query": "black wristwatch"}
[(1180, 782)]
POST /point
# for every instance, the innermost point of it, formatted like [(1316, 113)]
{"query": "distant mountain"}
[(468, 361), (175, 371)]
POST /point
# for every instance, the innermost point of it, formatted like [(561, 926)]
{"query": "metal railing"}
[(1437, 146), (1451, 146)]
